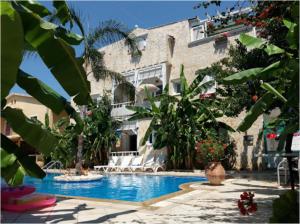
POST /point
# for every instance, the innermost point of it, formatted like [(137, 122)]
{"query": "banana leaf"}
[(11, 46), (35, 7), (32, 133), (58, 56), (13, 153), (257, 109)]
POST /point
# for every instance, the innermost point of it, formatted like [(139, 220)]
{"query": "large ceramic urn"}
[(215, 173)]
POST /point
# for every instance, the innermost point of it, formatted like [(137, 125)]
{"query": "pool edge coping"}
[(184, 188)]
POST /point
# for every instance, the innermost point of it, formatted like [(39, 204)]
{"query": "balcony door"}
[(133, 142)]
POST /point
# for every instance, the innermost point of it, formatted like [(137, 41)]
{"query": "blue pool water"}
[(118, 187)]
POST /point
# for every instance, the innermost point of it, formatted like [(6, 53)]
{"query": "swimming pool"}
[(127, 187)]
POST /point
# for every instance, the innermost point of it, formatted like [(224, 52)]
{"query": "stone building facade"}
[(32, 109), (164, 49)]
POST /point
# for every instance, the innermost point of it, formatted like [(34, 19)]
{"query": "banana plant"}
[(178, 121), (280, 80), (99, 132), (25, 27)]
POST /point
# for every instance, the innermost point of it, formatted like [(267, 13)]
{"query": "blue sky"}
[(141, 13)]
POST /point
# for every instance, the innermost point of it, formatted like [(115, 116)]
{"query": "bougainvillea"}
[(246, 204)]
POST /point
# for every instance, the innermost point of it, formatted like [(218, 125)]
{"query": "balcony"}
[(206, 30), (120, 111)]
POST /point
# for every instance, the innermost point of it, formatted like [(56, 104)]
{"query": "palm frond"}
[(109, 32), (77, 18)]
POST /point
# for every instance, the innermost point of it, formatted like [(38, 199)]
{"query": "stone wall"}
[(245, 153)]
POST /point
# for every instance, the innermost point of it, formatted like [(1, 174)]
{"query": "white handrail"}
[(124, 153), (117, 105), (51, 164)]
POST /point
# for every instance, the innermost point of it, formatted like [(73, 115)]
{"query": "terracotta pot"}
[(215, 173)]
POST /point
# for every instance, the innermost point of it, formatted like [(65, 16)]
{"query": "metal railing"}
[(53, 164)]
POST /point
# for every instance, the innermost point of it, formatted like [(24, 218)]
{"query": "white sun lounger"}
[(112, 165), (125, 163), (155, 165), (137, 164)]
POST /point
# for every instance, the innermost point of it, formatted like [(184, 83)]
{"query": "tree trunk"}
[(78, 165), (288, 149)]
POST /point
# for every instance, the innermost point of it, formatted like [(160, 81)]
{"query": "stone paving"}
[(213, 204)]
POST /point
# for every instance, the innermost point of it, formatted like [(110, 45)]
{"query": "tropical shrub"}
[(286, 208), (65, 150), (279, 82), (181, 122), (210, 150), (99, 133)]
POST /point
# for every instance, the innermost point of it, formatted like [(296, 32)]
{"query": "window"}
[(177, 87), (152, 137), (159, 92), (141, 43), (198, 32), (212, 88)]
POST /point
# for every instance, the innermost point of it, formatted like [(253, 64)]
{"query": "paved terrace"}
[(198, 203)]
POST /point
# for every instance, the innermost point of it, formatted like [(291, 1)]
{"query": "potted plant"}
[(221, 38), (211, 152), (210, 28)]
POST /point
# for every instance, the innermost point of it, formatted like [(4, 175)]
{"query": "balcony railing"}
[(124, 153), (120, 110), (124, 104)]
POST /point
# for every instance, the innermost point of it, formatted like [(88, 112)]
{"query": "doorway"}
[(133, 142)]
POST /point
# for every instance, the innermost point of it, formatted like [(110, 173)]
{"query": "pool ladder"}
[(53, 163)]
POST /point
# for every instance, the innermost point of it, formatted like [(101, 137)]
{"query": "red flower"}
[(243, 211), (246, 204), (252, 208), (240, 204), (244, 196), (271, 135)]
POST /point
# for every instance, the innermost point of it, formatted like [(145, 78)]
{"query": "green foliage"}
[(180, 122), (99, 135), (25, 28), (65, 150), (99, 132), (210, 150), (30, 131), (11, 47), (279, 90), (286, 208)]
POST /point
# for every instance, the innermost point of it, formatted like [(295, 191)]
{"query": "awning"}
[(150, 87)]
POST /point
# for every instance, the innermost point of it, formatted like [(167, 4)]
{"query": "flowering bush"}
[(246, 203), (221, 38), (210, 150), (210, 27)]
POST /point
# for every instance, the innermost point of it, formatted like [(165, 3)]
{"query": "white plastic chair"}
[(125, 163), (160, 162), (137, 163), (283, 166), (112, 165), (155, 164)]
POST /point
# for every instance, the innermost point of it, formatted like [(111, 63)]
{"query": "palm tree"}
[(105, 33)]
